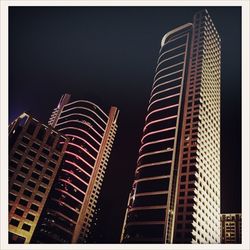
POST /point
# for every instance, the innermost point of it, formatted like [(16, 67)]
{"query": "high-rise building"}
[(71, 205), (35, 154), (175, 197), (231, 228)]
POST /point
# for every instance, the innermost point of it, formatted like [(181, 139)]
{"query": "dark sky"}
[(108, 55)]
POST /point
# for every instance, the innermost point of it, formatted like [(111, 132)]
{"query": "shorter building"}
[(35, 154), (231, 228), (70, 211)]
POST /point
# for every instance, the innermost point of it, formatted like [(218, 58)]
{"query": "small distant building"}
[(231, 228)]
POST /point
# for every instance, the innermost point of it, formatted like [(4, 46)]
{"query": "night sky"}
[(108, 55)]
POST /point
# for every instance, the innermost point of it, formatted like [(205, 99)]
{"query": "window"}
[(31, 184), (38, 198), (30, 217), (26, 227), (41, 133), (49, 172), (184, 169), (23, 202), (25, 140), (24, 170), (12, 197), (180, 209), (59, 146), (42, 159), (39, 167), (16, 187), (52, 164), (181, 201), (20, 178), (192, 168), (51, 140), (34, 207), (55, 157), (183, 178), (45, 151), (36, 146), (180, 217), (14, 222), (35, 175), (19, 212), (28, 161), (192, 177), (32, 153), (13, 164), (17, 156), (42, 189), (11, 173), (27, 192), (21, 148), (31, 128), (45, 180)]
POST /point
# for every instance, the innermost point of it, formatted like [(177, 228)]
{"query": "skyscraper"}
[(175, 197), (231, 228), (71, 205), (35, 154)]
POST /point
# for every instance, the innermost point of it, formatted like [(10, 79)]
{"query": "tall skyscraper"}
[(70, 208), (175, 197), (35, 154), (231, 228)]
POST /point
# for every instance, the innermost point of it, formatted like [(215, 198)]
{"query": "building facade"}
[(175, 197), (35, 154), (231, 230), (71, 206)]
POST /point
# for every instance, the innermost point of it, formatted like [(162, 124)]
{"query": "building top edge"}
[(173, 31)]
